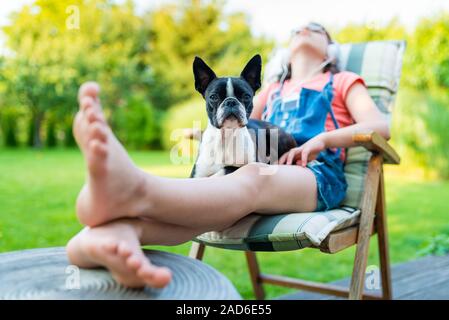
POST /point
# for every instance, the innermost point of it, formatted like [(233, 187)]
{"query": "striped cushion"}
[(379, 63), (281, 232), (355, 170)]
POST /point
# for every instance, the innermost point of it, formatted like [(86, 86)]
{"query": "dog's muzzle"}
[(231, 114)]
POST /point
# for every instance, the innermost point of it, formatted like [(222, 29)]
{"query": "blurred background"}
[(141, 54)]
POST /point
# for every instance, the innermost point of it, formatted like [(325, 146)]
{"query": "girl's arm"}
[(258, 106), (367, 117)]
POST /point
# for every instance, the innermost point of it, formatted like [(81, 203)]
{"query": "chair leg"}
[(197, 250), (254, 272), (382, 237), (365, 227)]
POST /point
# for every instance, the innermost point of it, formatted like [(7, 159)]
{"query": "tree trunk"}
[(37, 141)]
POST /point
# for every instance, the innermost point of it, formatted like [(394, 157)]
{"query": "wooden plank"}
[(375, 142), (382, 239), (438, 291), (254, 272), (424, 266), (424, 278), (366, 224), (420, 281), (341, 239), (197, 250), (312, 286)]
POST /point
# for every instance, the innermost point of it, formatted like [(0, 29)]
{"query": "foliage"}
[(393, 30), (184, 115), (137, 123), (147, 55), (50, 59), (186, 29), (8, 125), (51, 132), (437, 246), (427, 60), (422, 109)]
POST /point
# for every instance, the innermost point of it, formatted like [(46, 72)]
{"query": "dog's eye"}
[(246, 98), (213, 97)]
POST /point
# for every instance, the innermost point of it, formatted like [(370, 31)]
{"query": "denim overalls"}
[(304, 119)]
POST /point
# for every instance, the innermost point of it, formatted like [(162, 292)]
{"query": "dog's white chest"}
[(224, 147)]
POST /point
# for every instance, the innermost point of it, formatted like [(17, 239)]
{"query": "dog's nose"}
[(231, 111), (232, 103)]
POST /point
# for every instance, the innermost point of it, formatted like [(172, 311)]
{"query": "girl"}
[(123, 207)]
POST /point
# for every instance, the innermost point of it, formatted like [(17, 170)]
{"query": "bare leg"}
[(116, 188), (116, 246)]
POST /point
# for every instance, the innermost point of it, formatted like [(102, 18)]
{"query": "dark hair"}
[(332, 67)]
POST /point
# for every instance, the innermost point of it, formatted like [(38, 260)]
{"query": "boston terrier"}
[(231, 139)]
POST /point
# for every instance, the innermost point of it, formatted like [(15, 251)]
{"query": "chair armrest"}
[(370, 140), (376, 143), (193, 134)]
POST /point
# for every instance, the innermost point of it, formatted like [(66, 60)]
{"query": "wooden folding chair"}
[(379, 63)]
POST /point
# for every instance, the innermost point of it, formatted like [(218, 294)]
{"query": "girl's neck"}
[(304, 65)]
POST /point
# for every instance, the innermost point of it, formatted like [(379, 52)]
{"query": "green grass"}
[(38, 191)]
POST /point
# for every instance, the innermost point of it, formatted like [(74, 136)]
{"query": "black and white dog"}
[(231, 139)]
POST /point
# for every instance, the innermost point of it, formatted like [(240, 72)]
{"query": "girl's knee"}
[(253, 176), (253, 169)]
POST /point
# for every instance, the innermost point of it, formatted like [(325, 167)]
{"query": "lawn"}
[(38, 191)]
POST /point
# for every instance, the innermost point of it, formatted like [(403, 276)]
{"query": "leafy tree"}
[(422, 110), (50, 59), (147, 56), (353, 32), (428, 53), (194, 27)]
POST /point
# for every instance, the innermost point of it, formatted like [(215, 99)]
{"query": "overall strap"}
[(328, 92)]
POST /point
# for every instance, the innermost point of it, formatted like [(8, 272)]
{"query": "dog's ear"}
[(203, 75), (251, 72)]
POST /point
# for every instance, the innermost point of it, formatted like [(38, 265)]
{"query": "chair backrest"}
[(380, 64)]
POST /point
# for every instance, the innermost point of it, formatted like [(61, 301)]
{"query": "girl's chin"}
[(306, 46)]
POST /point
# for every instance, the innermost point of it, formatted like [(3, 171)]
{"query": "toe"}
[(95, 115), (162, 277), (86, 103), (98, 148), (134, 262), (124, 250), (157, 277), (97, 152), (97, 131), (91, 89)]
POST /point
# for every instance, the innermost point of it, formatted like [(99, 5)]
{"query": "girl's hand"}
[(305, 153)]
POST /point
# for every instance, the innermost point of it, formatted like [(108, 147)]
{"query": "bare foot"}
[(116, 246), (115, 187)]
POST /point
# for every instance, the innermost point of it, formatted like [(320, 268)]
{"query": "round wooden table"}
[(46, 274)]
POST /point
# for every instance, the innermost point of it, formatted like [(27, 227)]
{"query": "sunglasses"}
[(311, 27)]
